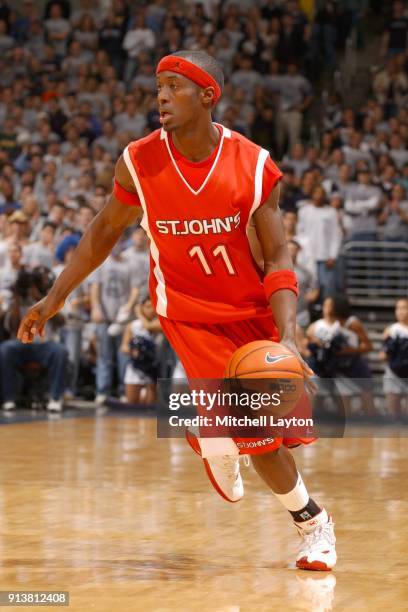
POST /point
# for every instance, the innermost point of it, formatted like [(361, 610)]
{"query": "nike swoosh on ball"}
[(271, 359)]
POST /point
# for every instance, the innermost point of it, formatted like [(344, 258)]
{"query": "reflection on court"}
[(126, 522)]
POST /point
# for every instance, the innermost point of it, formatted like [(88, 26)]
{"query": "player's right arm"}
[(94, 247)]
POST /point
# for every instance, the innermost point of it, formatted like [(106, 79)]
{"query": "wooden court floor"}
[(126, 522)]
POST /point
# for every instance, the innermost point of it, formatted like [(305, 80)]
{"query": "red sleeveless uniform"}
[(202, 266), (204, 281)]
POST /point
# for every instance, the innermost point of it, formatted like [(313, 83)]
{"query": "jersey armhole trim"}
[(260, 164), (132, 172), (161, 306)]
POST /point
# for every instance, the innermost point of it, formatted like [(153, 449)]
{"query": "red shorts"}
[(204, 351)]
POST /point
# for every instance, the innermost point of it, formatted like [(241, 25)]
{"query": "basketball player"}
[(202, 190)]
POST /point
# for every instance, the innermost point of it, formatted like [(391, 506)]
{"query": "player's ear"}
[(208, 97)]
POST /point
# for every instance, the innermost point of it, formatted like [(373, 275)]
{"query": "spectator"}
[(7, 42), (89, 8), (307, 285), (9, 272), (139, 38), (224, 52), (362, 203), (28, 289), (305, 256), (146, 79), (108, 140), (233, 30), (112, 292), (290, 45), (86, 34), (65, 6), (395, 353), (319, 223), (84, 217), (8, 138), (57, 29), (403, 179), (41, 253), (139, 344), (74, 60), (390, 87), (110, 39), (326, 33), (393, 218), (75, 313), (131, 120), (307, 185), (344, 340), (398, 152), (246, 78), (396, 31), (295, 96), (355, 150), (263, 128), (18, 229), (137, 254), (57, 213), (296, 160), (8, 204)]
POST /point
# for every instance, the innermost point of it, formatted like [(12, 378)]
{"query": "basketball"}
[(264, 359)]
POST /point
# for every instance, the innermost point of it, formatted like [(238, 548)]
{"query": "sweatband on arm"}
[(281, 279), (125, 197)]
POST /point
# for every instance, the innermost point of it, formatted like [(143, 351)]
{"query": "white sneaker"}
[(225, 476), (317, 550), (100, 399), (54, 405), (222, 471), (7, 406)]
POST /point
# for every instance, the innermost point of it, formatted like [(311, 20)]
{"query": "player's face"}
[(178, 100), (401, 311)]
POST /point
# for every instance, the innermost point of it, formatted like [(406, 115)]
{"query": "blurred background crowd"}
[(77, 84)]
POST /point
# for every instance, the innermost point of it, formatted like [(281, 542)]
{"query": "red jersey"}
[(202, 267)]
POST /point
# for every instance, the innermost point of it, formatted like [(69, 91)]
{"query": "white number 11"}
[(218, 251)]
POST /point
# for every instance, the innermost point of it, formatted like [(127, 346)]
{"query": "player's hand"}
[(307, 371), (34, 320)]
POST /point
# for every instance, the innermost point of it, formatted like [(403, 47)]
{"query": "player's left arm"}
[(269, 229)]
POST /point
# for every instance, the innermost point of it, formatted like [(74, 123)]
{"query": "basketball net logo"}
[(274, 359)]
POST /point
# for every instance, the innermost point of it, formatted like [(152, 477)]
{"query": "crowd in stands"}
[(77, 84)]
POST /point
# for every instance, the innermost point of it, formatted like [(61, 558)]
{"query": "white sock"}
[(296, 499)]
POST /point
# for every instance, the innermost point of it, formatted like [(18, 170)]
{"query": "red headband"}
[(173, 63)]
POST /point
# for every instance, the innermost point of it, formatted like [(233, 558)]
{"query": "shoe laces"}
[(319, 536), (230, 464)]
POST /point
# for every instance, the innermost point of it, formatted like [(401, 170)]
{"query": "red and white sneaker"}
[(317, 550), (222, 471)]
